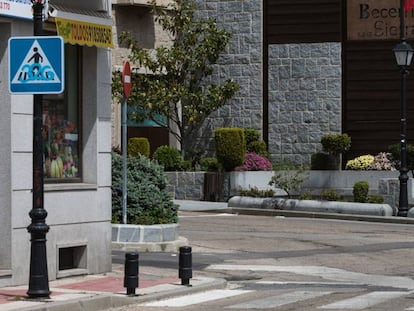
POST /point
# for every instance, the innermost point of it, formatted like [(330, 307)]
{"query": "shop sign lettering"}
[(16, 8), (377, 20)]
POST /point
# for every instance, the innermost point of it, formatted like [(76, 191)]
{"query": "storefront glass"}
[(61, 126)]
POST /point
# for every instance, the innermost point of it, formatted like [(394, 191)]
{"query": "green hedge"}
[(148, 201), (137, 146), (230, 147)]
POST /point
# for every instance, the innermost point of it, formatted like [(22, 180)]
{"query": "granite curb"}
[(84, 300)]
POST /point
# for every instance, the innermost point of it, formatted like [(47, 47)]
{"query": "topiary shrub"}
[(254, 162), (251, 135), (137, 146), (330, 195), (324, 161), (210, 164), (360, 191), (336, 143), (169, 157), (230, 147), (259, 147), (396, 155), (148, 201)]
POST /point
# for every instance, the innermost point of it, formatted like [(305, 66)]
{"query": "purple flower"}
[(255, 162)]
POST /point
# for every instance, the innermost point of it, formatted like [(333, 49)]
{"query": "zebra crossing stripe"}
[(280, 300), (192, 299), (364, 301)]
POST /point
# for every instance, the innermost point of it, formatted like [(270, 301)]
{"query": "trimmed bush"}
[(336, 143), (251, 135), (330, 195), (169, 157), (324, 161), (360, 191), (259, 147), (137, 146), (230, 147), (257, 193), (148, 201), (210, 165), (396, 154)]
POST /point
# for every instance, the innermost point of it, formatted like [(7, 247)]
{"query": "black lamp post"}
[(38, 278), (403, 55)]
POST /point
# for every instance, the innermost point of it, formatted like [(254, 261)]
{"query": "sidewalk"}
[(105, 291)]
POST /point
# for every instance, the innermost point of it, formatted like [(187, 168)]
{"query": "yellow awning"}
[(91, 34), (83, 27)]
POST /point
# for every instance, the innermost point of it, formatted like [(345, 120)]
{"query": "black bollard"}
[(131, 273), (185, 265)]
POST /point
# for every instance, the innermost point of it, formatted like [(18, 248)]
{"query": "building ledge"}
[(141, 2)]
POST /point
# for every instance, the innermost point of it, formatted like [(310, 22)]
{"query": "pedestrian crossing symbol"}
[(36, 65)]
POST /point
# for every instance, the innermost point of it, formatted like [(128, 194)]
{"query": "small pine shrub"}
[(288, 180), (375, 198), (230, 147), (259, 147), (137, 146), (169, 157), (148, 200), (324, 161), (330, 195), (336, 143), (360, 191), (256, 193), (210, 164), (255, 162), (251, 135)]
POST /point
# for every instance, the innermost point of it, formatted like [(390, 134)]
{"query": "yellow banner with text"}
[(82, 33)]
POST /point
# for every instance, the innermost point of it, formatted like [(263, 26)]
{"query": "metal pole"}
[(38, 277), (124, 161), (403, 178)]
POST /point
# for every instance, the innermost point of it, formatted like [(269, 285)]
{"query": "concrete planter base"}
[(146, 238), (313, 206)]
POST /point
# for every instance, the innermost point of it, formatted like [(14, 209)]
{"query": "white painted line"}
[(306, 283), (192, 299), (205, 216), (364, 301), (327, 273), (277, 301)]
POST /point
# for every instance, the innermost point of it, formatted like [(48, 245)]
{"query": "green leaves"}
[(176, 84)]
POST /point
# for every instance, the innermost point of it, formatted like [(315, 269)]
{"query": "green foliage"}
[(169, 157), (330, 195), (307, 195), (396, 155), (148, 201), (288, 180), (375, 198), (285, 165), (230, 147), (257, 193), (324, 161), (360, 191), (259, 147), (251, 135), (177, 85), (336, 143), (137, 146), (210, 164)]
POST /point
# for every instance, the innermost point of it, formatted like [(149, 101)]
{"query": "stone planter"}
[(352, 208), (146, 238)]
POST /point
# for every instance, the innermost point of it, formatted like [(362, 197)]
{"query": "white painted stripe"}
[(364, 301), (277, 301), (327, 273), (192, 299), (306, 283)]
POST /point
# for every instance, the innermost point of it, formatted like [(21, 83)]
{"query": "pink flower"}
[(255, 162)]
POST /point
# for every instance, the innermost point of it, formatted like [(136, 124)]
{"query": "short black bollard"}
[(131, 273), (185, 265)]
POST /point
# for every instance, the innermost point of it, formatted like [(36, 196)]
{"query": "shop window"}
[(61, 124)]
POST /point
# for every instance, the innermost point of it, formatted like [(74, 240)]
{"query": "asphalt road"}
[(277, 263)]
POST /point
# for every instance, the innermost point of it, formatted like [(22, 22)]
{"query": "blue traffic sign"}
[(36, 65)]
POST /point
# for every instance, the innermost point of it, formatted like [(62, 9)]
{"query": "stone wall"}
[(242, 62), (304, 98)]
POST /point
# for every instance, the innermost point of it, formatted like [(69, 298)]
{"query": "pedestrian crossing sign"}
[(36, 65)]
